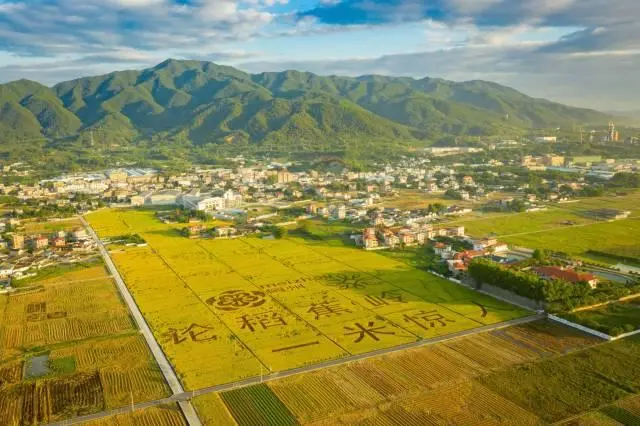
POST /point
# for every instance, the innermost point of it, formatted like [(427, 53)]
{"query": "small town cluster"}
[(216, 189), (26, 253), (254, 193)]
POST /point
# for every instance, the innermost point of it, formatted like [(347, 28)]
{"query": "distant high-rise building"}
[(612, 135)]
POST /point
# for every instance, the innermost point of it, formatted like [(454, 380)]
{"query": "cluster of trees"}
[(46, 211), (624, 180), (185, 215), (601, 323), (558, 295), (129, 239), (278, 232)]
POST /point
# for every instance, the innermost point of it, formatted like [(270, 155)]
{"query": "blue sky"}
[(583, 52)]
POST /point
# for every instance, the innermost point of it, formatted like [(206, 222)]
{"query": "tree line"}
[(557, 295)]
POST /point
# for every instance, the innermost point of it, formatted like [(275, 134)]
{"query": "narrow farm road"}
[(167, 371)]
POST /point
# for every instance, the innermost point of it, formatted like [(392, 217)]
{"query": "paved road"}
[(161, 359), (186, 396)]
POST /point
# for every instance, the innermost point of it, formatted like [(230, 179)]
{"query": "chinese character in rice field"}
[(236, 299), (327, 308), (36, 317), (56, 315), (366, 331), (385, 298), (427, 319), (347, 281), (38, 312), (33, 308), (265, 320), (195, 332)]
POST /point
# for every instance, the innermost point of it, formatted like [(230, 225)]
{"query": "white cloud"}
[(558, 76), (136, 3), (8, 8)]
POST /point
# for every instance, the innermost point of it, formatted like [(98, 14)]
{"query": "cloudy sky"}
[(582, 52)]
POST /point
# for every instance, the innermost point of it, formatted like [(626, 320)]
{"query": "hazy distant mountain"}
[(633, 115), (205, 102)]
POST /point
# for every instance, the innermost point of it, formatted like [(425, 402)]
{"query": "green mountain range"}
[(203, 102)]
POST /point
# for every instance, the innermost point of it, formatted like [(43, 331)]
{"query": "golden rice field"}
[(127, 370), (61, 311), (266, 306), (76, 276), (464, 403), (96, 359), (212, 410), (36, 227), (169, 415), (428, 385), (353, 390)]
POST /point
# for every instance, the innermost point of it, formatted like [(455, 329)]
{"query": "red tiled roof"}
[(564, 274), (469, 254)]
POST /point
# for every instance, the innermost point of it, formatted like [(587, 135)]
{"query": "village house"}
[(225, 231), (58, 242), (195, 230), (390, 239), (369, 237), (339, 212), (460, 262), (79, 234), (39, 242), (445, 251), (407, 237), (484, 243), (567, 274)]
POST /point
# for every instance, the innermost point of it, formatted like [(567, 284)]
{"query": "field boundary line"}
[(162, 361), (580, 327)]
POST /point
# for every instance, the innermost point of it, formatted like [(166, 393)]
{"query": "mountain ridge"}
[(205, 102)]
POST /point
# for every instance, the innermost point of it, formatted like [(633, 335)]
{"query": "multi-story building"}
[(369, 238), (79, 234), (553, 160), (284, 176), (340, 212), (39, 242), (17, 241), (117, 175)]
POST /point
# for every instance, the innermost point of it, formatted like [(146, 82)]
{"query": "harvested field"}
[(92, 358), (154, 416)]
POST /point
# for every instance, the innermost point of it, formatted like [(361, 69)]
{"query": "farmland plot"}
[(90, 356), (62, 313), (153, 416), (437, 384), (264, 306)]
